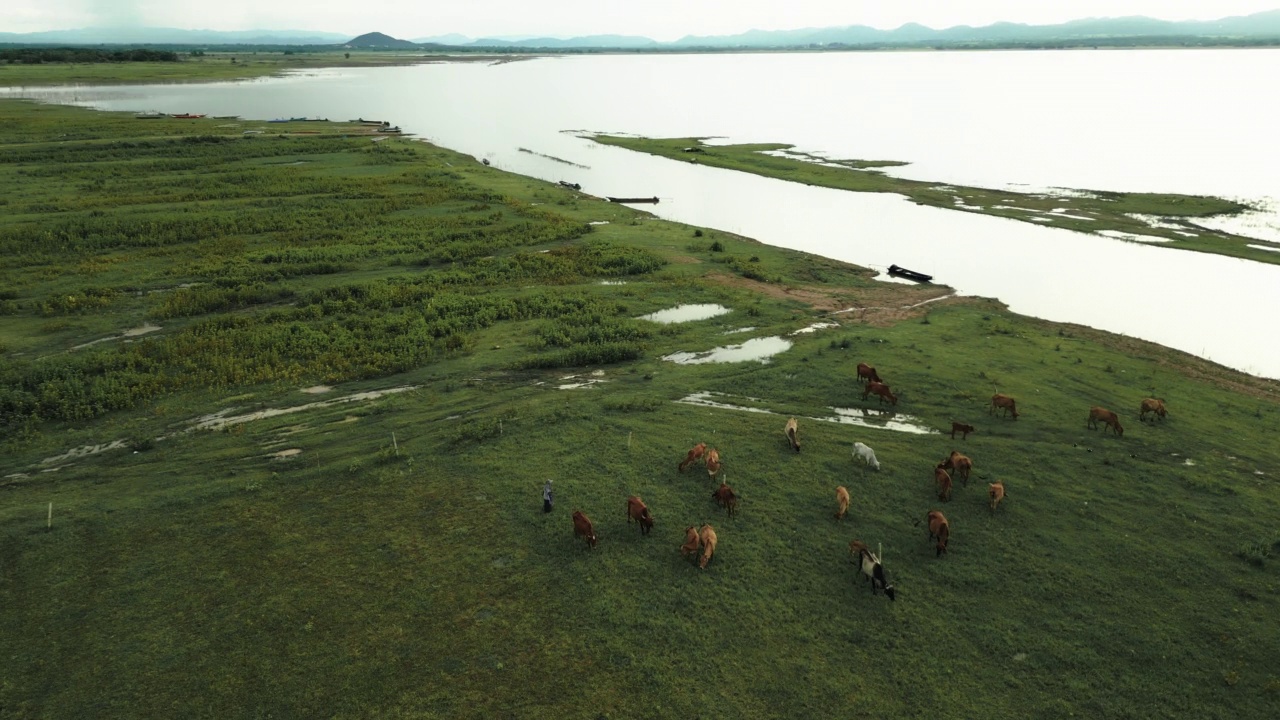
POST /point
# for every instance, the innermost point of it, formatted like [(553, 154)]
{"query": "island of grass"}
[(276, 412), (1160, 217)]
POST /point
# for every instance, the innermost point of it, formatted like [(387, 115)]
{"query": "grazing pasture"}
[(231, 515)]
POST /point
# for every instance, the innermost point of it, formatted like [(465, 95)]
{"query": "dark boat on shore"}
[(571, 186), (909, 274), (653, 199)]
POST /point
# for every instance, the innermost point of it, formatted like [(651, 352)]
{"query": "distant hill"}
[(1245, 29), (377, 40)]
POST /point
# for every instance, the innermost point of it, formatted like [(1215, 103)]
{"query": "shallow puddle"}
[(844, 416), (1134, 237), (686, 313), (1264, 247), (757, 349), (816, 327), (221, 419)]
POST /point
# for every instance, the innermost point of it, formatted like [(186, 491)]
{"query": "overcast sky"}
[(658, 19)]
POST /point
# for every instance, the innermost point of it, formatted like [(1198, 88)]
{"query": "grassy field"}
[(292, 400), (212, 66), (1090, 211)]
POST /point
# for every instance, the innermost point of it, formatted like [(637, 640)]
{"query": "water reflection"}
[(862, 417), (685, 313), (758, 349)]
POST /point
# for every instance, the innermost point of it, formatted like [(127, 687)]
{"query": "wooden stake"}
[(628, 439), (50, 525), (394, 444), (499, 427)]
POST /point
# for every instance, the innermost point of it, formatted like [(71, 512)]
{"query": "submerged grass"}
[(1088, 211), (389, 557)]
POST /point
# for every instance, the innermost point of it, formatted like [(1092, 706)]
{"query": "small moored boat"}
[(571, 186), (653, 199), (186, 116), (909, 274)]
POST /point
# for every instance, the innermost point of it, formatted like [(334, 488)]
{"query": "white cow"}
[(867, 454)]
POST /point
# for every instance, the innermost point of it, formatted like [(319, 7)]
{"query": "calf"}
[(792, 431), (939, 528), (867, 454), (943, 480), (1154, 406), (636, 510), (995, 491), (842, 502), (726, 497), (708, 538), (1005, 403), (1108, 418), (582, 526), (713, 463), (690, 546), (881, 391), (961, 428), (868, 373), (960, 465), (694, 454), (871, 567)]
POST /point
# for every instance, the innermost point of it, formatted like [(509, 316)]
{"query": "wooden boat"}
[(653, 199), (186, 116), (150, 115), (909, 274), (571, 186)]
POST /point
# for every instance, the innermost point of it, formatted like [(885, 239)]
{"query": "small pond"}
[(758, 349), (686, 313)]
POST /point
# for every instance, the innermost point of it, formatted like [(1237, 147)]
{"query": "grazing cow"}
[(938, 528), (995, 491), (960, 465), (1005, 403), (636, 510), (708, 538), (867, 454), (726, 497), (943, 481), (961, 428), (1108, 418), (1152, 405), (582, 526), (870, 566), (880, 390), (690, 546), (868, 373), (694, 455), (842, 502), (792, 433), (713, 463)]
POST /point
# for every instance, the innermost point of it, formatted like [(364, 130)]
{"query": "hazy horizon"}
[(661, 20)]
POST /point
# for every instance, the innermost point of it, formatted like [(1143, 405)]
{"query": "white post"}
[(499, 427), (50, 525), (628, 439), (394, 444)]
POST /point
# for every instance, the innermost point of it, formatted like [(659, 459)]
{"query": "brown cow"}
[(842, 502), (726, 497), (712, 459), (582, 526), (961, 428), (881, 390), (1108, 419), (995, 491), (1152, 405), (960, 465), (943, 481), (636, 510), (694, 455), (792, 432), (938, 528), (868, 373), (708, 538), (1004, 402), (690, 546)]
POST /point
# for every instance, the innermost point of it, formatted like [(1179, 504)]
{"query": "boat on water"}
[(909, 274), (653, 199), (186, 116)]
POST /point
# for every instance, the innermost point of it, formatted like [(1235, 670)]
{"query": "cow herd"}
[(700, 542)]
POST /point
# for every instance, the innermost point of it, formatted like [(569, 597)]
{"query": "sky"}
[(662, 20)]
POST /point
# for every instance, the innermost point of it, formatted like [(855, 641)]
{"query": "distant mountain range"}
[(1248, 28)]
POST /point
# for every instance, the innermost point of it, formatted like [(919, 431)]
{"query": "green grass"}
[(1090, 212), (399, 564)]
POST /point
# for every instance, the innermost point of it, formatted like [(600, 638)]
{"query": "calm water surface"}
[(1189, 121)]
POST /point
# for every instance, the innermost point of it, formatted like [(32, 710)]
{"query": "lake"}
[(1187, 121)]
